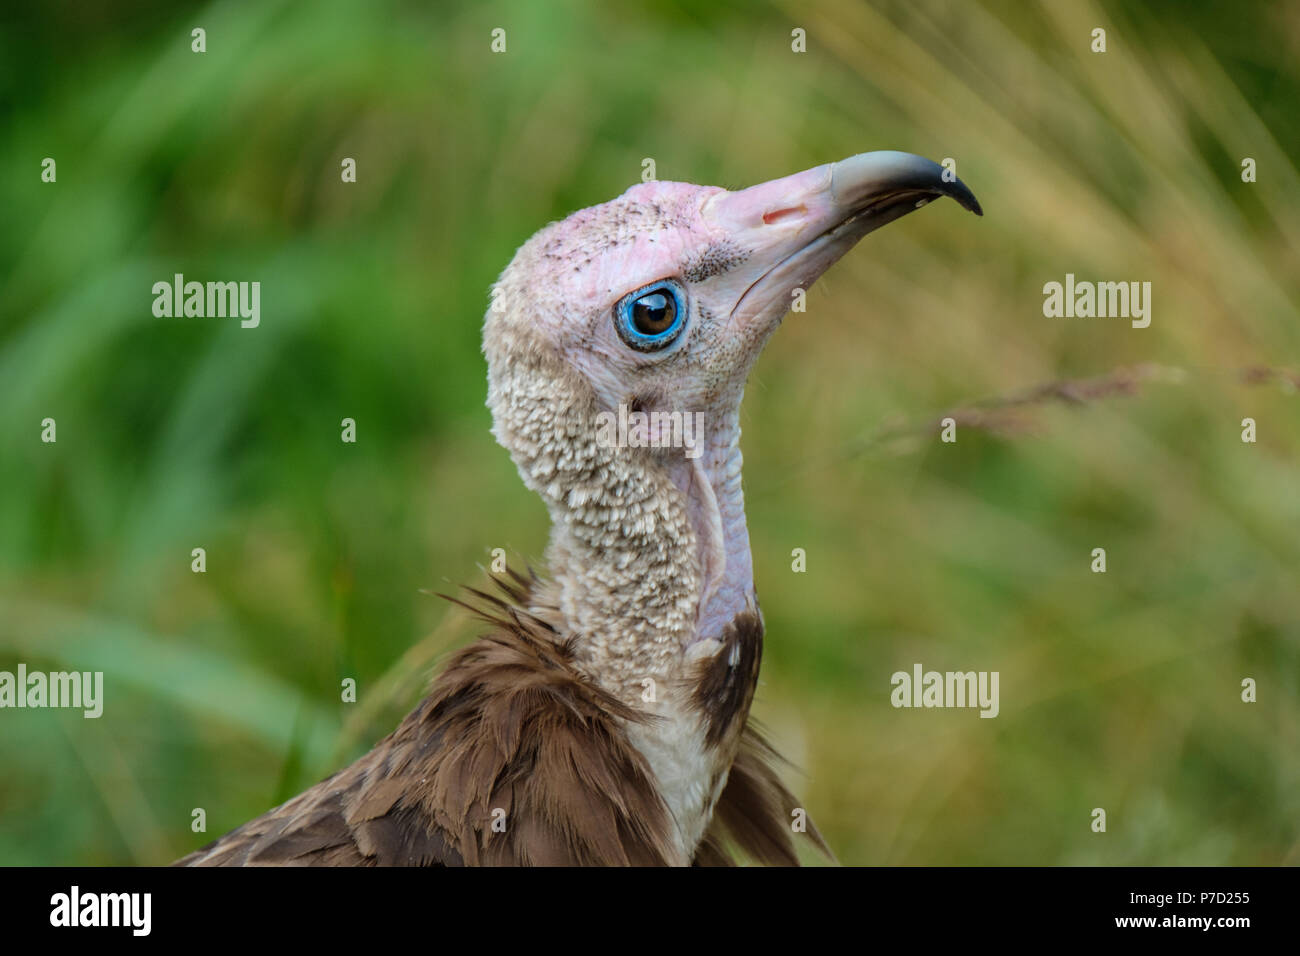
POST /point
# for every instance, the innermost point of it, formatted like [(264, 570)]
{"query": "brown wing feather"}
[(509, 726), (756, 811)]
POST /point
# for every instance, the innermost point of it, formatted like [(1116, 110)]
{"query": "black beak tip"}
[(959, 191)]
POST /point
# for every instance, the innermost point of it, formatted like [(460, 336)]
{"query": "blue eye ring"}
[(651, 318)]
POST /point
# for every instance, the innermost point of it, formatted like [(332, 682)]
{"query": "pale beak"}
[(795, 228)]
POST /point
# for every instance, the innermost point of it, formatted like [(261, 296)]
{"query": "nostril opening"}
[(779, 214)]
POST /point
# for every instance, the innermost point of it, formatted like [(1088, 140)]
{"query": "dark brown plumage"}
[(511, 726)]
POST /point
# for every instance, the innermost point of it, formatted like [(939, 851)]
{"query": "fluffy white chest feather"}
[(690, 772), (686, 769)]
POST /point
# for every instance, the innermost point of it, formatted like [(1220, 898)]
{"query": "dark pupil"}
[(654, 313)]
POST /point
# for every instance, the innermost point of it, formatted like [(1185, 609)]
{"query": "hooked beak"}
[(795, 228)]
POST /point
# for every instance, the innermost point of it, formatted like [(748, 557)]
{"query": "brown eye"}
[(652, 317), (654, 314)]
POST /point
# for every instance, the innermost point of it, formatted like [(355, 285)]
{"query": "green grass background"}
[(1119, 691)]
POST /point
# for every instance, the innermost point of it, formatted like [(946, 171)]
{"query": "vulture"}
[(603, 716)]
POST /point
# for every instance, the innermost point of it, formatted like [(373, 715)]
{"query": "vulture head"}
[(660, 301)]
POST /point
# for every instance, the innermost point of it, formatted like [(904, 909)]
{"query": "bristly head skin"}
[(660, 301)]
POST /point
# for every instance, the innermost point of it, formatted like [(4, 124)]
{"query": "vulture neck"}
[(650, 574), (649, 554)]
